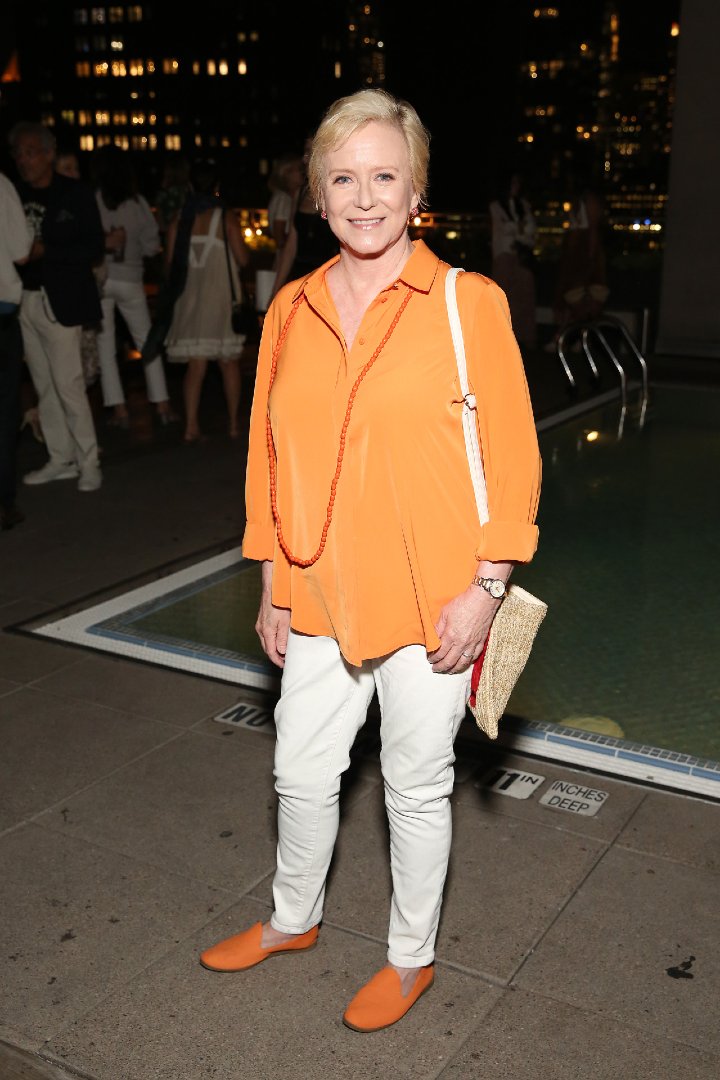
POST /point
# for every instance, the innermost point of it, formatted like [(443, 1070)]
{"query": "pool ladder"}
[(595, 330)]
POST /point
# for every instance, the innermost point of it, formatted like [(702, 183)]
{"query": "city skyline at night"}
[(550, 90)]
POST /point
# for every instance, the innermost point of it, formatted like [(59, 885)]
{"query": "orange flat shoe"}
[(380, 1003), (246, 950)]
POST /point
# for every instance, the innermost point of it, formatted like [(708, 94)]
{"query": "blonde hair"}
[(347, 114)]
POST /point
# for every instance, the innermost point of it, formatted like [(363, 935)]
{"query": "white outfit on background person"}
[(123, 288)]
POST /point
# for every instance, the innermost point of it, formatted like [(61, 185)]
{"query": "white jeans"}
[(52, 353), (323, 704), (129, 297)]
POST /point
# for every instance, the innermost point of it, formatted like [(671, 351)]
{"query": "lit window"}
[(103, 140), (136, 67), (84, 118), (172, 142), (198, 140), (211, 68), (101, 69), (170, 67), (119, 119), (196, 67), (242, 37), (243, 141), (47, 119), (97, 15), (139, 142), (87, 142), (225, 142), (134, 13), (254, 36), (82, 70), (122, 141), (338, 70), (115, 14), (80, 16), (68, 116), (102, 119), (137, 118), (152, 119), (152, 142), (119, 69), (117, 44), (150, 67), (242, 67), (223, 67)]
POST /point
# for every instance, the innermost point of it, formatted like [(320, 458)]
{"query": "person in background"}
[(59, 296), (581, 288), (309, 242), (205, 246), (513, 231), (376, 574), (15, 242), (131, 236), (172, 193), (286, 179), (67, 163)]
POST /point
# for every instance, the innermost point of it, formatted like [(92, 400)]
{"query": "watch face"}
[(496, 589)]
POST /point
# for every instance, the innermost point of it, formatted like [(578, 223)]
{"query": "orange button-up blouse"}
[(405, 536)]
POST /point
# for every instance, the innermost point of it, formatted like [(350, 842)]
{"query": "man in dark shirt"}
[(59, 295)]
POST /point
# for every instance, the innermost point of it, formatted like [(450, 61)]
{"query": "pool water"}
[(628, 565)]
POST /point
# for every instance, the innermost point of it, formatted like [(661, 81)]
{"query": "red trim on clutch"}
[(476, 673)]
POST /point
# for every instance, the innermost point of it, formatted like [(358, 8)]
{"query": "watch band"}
[(495, 586)]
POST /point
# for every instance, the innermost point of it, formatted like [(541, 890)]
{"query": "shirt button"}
[(383, 300), (361, 341)]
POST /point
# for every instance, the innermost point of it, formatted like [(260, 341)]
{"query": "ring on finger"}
[(468, 654)]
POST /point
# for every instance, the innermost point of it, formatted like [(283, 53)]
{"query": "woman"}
[(286, 179), (513, 232), (131, 236), (205, 240), (391, 593), (309, 241)]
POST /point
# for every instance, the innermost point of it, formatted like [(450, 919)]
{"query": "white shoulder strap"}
[(469, 421)]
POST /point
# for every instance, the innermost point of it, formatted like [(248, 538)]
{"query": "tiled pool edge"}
[(616, 757)]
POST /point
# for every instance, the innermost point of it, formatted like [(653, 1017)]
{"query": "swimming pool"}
[(624, 675)]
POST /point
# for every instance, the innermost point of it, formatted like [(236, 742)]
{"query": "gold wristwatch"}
[(494, 586)]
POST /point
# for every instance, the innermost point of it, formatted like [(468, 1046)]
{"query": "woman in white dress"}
[(206, 238)]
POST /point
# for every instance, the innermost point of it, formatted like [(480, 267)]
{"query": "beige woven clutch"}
[(518, 619)]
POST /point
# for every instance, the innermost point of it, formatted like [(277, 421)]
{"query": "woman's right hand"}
[(273, 623)]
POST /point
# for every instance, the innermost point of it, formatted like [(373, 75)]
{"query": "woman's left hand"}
[(463, 626)]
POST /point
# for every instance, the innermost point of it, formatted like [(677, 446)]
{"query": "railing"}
[(596, 329)]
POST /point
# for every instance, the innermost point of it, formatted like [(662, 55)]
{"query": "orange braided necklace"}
[(272, 457)]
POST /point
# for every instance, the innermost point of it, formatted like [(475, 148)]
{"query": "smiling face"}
[(368, 191)]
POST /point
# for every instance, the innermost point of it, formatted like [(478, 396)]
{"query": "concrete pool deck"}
[(135, 830)]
